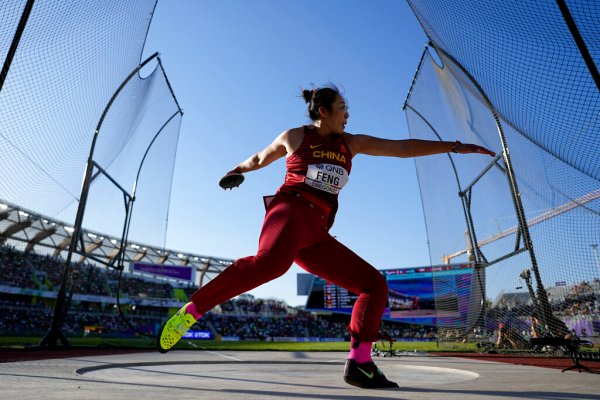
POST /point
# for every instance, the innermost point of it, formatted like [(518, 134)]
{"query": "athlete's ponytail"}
[(321, 97)]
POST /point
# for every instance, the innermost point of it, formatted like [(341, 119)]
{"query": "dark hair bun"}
[(320, 97), (307, 95)]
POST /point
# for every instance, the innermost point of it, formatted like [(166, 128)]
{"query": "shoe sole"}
[(158, 346), (352, 382), (359, 384)]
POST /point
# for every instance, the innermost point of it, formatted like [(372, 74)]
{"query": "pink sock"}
[(191, 309), (362, 353)]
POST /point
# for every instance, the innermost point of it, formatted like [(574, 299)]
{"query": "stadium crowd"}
[(244, 317), (22, 318), (43, 272), (582, 299)]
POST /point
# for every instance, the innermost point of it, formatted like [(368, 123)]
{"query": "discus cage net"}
[(520, 78), (88, 139)]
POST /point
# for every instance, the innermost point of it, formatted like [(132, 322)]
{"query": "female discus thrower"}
[(297, 221)]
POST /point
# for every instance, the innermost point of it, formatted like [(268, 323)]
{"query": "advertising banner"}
[(170, 271)]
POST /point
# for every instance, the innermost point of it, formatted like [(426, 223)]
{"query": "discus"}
[(231, 180)]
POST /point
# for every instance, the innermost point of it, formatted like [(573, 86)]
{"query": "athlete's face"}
[(337, 118)]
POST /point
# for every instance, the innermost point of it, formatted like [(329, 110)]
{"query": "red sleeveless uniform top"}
[(319, 169)]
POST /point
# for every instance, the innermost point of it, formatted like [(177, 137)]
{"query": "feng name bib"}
[(327, 177)]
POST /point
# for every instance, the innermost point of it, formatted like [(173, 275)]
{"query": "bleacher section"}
[(29, 284)]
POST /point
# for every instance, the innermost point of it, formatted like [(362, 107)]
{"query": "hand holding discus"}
[(231, 180)]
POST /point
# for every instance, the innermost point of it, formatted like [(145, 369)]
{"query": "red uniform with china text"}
[(319, 169), (295, 229), (320, 166)]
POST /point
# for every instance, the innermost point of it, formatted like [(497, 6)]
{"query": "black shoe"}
[(366, 376)]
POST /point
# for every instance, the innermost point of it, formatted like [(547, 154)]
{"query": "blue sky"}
[(237, 67)]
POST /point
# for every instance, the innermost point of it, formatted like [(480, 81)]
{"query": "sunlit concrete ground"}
[(281, 375)]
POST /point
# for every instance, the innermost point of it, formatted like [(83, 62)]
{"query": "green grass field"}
[(148, 343)]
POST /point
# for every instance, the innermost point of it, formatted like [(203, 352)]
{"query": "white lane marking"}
[(223, 355)]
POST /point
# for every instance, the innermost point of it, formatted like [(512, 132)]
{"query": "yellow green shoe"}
[(171, 331)]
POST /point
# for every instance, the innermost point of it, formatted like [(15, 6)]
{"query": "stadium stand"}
[(28, 289)]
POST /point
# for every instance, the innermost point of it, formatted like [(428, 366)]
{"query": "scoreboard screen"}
[(412, 294)]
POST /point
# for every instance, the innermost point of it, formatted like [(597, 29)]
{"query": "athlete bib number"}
[(327, 177)]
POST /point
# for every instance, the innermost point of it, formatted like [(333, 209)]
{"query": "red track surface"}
[(546, 362)]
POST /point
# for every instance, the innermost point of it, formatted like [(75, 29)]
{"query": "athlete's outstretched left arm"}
[(373, 146)]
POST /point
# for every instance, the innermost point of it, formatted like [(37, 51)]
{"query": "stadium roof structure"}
[(29, 230)]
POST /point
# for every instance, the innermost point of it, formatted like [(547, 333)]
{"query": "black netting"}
[(71, 58), (76, 82), (142, 124), (513, 70), (525, 48)]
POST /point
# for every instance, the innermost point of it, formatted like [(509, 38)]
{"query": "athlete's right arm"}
[(272, 152)]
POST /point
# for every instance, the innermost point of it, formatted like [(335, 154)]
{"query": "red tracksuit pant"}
[(295, 230)]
